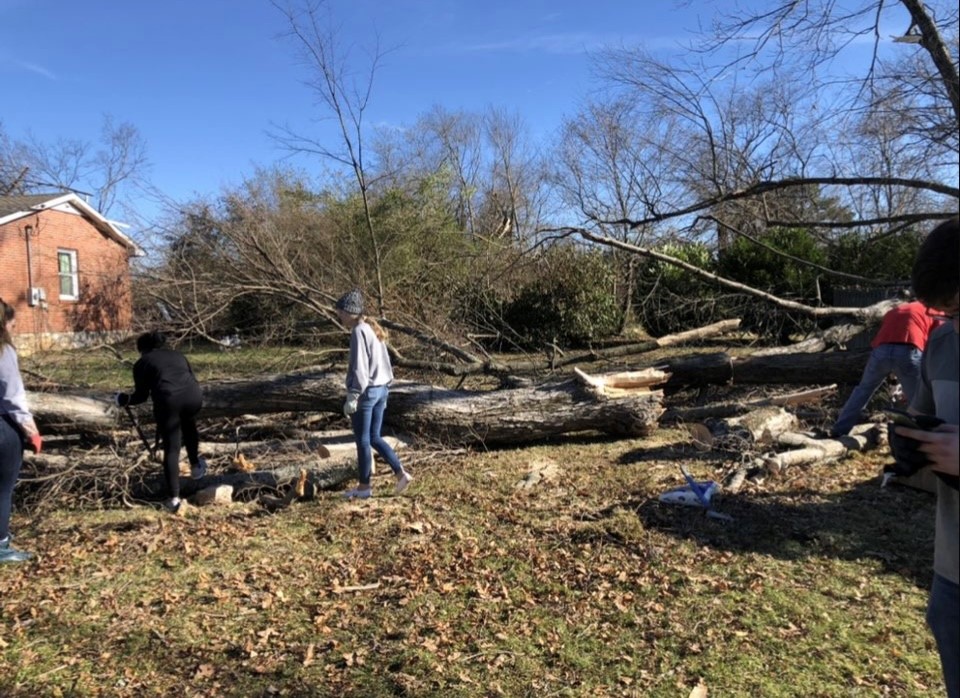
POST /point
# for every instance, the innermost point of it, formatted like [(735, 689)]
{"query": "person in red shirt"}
[(897, 348)]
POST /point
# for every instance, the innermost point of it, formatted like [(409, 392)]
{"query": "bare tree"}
[(458, 146), (514, 199), (611, 167), (770, 133), (106, 172), (13, 171), (778, 116), (345, 97)]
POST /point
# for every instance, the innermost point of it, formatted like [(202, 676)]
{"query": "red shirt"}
[(908, 323)]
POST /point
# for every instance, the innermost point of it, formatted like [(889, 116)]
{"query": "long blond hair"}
[(381, 333)]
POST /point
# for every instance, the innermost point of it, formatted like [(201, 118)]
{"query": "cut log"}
[(453, 417), (765, 424), (809, 450)]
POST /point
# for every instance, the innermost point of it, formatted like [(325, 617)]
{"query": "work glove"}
[(122, 399), (34, 443), (906, 451), (350, 404)]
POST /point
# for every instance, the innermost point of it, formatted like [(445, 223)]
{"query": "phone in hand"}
[(913, 421)]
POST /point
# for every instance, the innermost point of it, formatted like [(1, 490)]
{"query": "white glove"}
[(350, 404)]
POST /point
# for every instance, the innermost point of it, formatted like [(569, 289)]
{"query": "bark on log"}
[(731, 409), (722, 369), (808, 450), (452, 417), (835, 337)]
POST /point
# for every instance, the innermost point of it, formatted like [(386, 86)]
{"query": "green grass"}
[(580, 586), (109, 368)]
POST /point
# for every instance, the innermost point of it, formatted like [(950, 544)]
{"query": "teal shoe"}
[(8, 554)]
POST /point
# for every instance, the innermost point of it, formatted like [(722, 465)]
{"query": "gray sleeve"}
[(13, 396)]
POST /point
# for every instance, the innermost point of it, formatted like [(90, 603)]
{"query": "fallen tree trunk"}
[(730, 409), (112, 477), (722, 369), (835, 337), (510, 415), (452, 417)]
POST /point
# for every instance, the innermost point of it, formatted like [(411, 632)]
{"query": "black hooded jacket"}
[(164, 374)]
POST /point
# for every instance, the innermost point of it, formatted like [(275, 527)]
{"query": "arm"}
[(13, 398), (358, 372), (142, 380)]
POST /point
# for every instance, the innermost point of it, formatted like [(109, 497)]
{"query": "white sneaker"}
[(173, 505), (358, 493), (200, 469), (403, 481)]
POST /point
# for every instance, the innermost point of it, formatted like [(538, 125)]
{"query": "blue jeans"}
[(943, 617), (11, 458), (901, 359), (367, 422)]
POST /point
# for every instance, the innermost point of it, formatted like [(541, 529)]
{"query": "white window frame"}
[(72, 274)]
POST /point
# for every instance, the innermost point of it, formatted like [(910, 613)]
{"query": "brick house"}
[(65, 269)]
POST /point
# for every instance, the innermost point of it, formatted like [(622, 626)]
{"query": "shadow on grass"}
[(894, 525)]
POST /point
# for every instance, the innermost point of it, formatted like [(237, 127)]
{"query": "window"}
[(67, 267)]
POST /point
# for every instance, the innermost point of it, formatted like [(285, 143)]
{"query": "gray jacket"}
[(13, 396), (369, 360)]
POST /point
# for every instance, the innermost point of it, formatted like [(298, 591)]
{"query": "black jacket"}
[(163, 373)]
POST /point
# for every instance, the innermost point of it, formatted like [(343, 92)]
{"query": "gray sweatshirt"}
[(369, 360), (13, 396)]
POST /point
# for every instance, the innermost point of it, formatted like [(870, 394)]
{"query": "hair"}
[(936, 269), (8, 313), (381, 333), (149, 341)]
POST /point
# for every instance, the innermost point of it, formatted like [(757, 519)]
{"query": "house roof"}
[(16, 207)]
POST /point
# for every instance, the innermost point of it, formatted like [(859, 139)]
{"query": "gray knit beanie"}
[(351, 302)]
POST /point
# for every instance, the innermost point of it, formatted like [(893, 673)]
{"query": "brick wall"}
[(103, 275)]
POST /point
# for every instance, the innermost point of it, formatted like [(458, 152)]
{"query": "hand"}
[(940, 447), (34, 443), (122, 399), (906, 451), (350, 404)]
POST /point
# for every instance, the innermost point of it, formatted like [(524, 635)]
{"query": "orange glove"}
[(34, 443)]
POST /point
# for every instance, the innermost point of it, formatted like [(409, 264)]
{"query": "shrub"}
[(670, 299), (786, 275), (569, 300)]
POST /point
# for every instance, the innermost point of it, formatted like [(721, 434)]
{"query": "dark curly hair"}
[(7, 313), (936, 270)]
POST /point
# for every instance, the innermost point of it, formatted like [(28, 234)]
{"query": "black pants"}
[(176, 417)]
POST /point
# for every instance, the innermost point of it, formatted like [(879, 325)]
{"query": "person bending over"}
[(165, 375)]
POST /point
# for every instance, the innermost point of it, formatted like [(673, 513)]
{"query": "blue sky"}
[(203, 80)]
